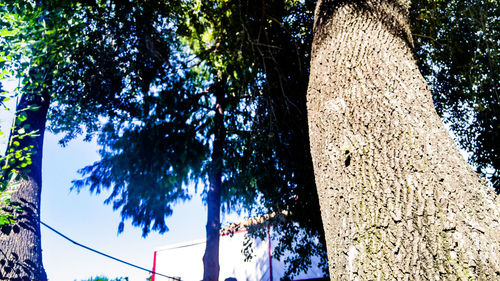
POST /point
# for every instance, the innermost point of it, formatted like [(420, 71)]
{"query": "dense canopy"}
[(140, 77)]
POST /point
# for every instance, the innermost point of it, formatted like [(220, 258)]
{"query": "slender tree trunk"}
[(20, 244), (211, 257), (398, 201)]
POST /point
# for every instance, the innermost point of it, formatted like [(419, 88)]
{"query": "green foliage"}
[(263, 49), (113, 67), (8, 210), (138, 76), (16, 19), (159, 107), (147, 162), (34, 39), (103, 278), (139, 81), (457, 48), (457, 45)]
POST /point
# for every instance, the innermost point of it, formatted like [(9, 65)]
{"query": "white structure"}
[(184, 261)]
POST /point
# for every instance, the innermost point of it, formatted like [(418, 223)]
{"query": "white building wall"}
[(184, 260)]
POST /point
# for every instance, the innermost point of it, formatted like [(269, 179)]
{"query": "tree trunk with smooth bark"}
[(20, 244), (398, 201), (211, 257)]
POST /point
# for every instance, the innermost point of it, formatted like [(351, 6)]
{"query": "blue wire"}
[(103, 254)]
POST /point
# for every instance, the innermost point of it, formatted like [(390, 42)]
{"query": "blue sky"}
[(84, 218)]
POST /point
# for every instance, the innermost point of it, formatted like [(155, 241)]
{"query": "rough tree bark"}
[(20, 244), (211, 256), (398, 201)]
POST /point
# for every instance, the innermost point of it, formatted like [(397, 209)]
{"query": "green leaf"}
[(22, 117), (7, 33)]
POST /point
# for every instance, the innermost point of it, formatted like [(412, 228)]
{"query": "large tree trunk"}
[(211, 256), (397, 199), (20, 244)]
